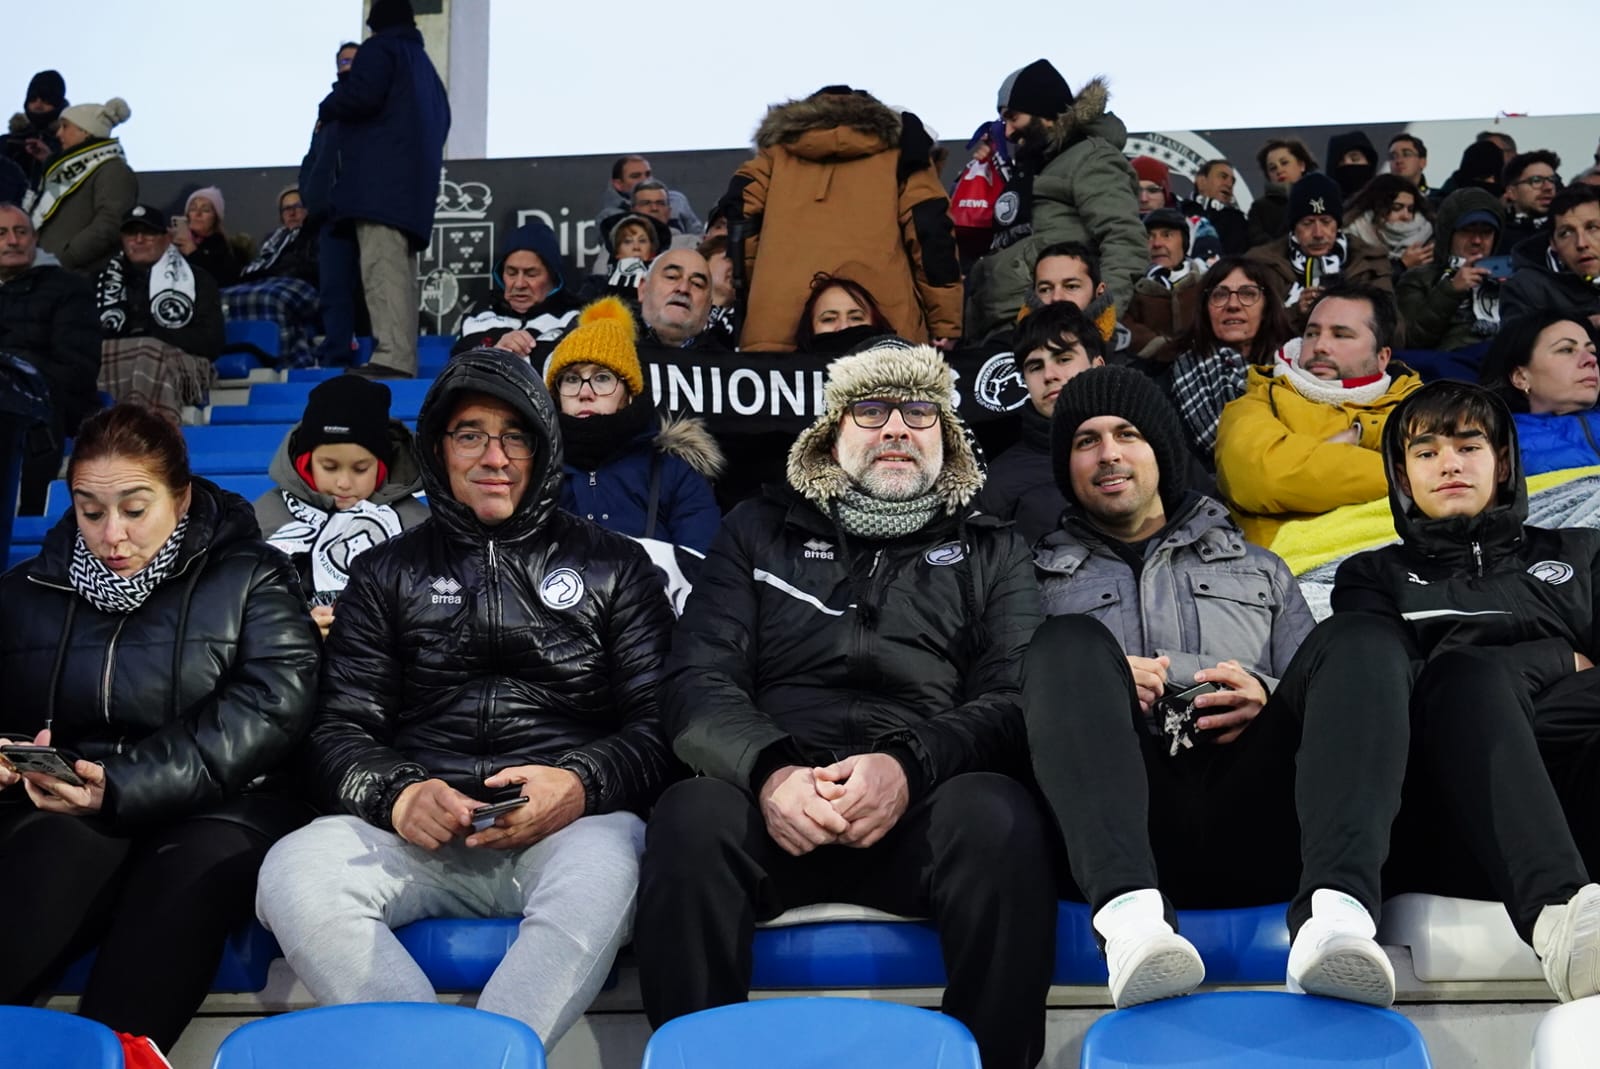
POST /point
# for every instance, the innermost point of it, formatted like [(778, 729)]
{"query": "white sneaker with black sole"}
[(1147, 960), (1335, 954), (1568, 939)]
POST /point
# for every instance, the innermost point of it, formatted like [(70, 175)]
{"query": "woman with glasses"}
[(628, 468), (346, 476), (1240, 321), (280, 284)]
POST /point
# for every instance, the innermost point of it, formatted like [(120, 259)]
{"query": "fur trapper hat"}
[(890, 371)]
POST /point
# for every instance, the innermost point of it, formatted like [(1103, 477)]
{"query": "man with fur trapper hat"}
[(844, 678), (841, 183), (1071, 183)]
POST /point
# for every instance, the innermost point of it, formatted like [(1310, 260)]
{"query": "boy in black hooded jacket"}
[(1498, 621)]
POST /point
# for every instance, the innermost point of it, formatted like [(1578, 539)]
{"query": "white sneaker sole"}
[(1356, 971), (1583, 962), (1171, 968)]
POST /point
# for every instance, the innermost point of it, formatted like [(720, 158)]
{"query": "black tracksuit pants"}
[(159, 905), (1303, 799), (973, 854)]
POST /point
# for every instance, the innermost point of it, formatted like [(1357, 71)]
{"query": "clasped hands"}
[(854, 802)]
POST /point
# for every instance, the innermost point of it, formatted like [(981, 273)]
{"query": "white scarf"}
[(171, 292), (335, 539), (1484, 302), (1286, 366), (1171, 276), (1310, 271), (66, 176), (1395, 237)]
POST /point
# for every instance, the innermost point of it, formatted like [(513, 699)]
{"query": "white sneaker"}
[(1146, 958), (1335, 955), (1570, 936)]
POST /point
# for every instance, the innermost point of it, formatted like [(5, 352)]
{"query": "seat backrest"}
[(803, 1033), (1254, 1030), (50, 1039), (382, 1035)]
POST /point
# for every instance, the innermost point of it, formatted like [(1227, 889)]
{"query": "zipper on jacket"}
[(592, 480), (486, 708), (1477, 556), (105, 679)]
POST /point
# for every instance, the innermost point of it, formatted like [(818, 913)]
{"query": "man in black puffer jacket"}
[(1497, 621), (845, 679), (503, 646)]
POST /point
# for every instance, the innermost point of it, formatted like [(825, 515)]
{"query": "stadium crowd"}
[(896, 674)]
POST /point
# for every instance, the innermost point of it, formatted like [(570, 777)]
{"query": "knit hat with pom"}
[(96, 120), (605, 335)]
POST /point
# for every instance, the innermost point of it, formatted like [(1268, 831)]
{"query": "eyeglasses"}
[(1247, 295), (918, 415), (1404, 154), (516, 445), (296, 206), (603, 383), (1537, 181)]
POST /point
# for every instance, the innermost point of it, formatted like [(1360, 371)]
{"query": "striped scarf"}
[(110, 592)]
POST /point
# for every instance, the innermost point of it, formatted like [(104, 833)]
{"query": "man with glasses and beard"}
[(1071, 183), (845, 680), (505, 649)]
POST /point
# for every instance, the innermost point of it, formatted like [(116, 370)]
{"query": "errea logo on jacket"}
[(817, 549), (446, 591)]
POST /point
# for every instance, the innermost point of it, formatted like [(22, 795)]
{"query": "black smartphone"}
[(484, 815), (1175, 713), (49, 760)]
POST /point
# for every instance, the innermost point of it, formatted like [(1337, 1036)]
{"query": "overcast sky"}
[(232, 84)]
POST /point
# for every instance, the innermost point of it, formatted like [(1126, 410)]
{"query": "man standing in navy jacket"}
[(394, 116)]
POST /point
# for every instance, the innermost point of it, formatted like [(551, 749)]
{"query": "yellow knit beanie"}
[(604, 335)]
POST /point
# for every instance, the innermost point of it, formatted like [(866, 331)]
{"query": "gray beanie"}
[(96, 120)]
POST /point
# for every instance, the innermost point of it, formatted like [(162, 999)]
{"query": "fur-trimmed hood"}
[(1087, 116), (686, 438), (842, 125), (897, 373)]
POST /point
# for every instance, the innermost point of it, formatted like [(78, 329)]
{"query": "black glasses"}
[(603, 383), (918, 415), (1537, 181), (516, 445), (1247, 295)]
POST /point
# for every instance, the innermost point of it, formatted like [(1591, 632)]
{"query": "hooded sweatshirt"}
[(1481, 581), (1435, 314), (490, 318)]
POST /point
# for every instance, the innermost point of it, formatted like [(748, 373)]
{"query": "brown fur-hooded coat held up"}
[(841, 184)]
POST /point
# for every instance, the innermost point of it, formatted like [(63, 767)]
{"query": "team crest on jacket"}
[(947, 554), (999, 386), (1554, 572), (1006, 208), (446, 591), (561, 589)]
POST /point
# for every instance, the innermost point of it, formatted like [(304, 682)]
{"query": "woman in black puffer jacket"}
[(164, 644)]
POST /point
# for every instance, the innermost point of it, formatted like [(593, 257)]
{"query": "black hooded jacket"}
[(1487, 581), (491, 318), (193, 699), (461, 649)]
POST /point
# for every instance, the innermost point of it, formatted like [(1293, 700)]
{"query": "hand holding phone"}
[(45, 760), (484, 815)]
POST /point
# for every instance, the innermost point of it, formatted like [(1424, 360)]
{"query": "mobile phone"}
[(48, 760), (484, 815), (1175, 714), (1500, 268)]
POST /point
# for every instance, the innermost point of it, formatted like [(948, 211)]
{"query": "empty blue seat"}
[(235, 365), (1253, 1030), (261, 334), (245, 959), (401, 391), (433, 353), (248, 487), (50, 1039), (382, 1035), (800, 1033), (229, 415), (246, 449)]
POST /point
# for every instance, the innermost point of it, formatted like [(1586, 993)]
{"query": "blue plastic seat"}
[(259, 333), (313, 374), (433, 353), (236, 365), (802, 1033), (403, 392), (231, 415), (1253, 1030), (245, 449), (382, 1035), (246, 956), (248, 487), (1240, 946), (50, 1039)]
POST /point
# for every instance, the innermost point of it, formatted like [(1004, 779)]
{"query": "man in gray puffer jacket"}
[(1071, 183), (1240, 795)]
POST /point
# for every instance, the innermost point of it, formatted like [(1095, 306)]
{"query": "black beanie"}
[(346, 408), (1171, 218), (1482, 164), (1315, 194), (47, 86), (387, 14), (1037, 89), (1133, 396)]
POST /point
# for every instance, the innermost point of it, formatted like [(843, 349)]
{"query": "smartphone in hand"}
[(483, 816), (48, 760)]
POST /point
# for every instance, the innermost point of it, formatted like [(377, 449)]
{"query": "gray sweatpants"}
[(332, 891), (389, 280)]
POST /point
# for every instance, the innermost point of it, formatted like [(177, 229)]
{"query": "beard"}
[(896, 484)]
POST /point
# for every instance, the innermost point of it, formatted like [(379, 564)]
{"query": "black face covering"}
[(842, 341), (1353, 176)]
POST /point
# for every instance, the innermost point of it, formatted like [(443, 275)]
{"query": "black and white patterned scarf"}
[(171, 292), (1171, 276), (865, 516), (277, 241), (1309, 271), (110, 592), (1481, 306), (1202, 383)]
